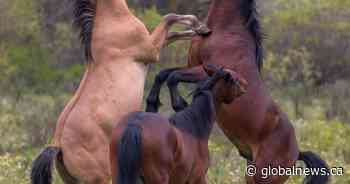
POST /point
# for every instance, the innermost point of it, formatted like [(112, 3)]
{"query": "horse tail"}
[(319, 171), (41, 172), (130, 154)]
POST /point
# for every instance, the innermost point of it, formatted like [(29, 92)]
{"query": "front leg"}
[(183, 35), (188, 75), (160, 35), (153, 102)]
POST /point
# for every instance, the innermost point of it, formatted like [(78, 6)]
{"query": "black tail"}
[(42, 166), (318, 166), (130, 155)]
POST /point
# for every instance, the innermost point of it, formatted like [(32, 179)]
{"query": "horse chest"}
[(202, 50), (207, 47), (114, 91)]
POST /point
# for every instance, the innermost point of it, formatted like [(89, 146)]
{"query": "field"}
[(306, 67)]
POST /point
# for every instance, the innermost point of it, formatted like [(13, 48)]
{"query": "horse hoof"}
[(203, 30)]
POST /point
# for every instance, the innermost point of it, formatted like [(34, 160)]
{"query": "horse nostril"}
[(244, 83), (243, 91)]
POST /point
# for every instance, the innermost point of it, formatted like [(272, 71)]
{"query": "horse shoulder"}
[(127, 35), (194, 58)]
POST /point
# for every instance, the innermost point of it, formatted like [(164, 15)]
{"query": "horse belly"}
[(242, 123), (123, 96)]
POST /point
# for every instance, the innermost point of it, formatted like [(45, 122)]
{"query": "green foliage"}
[(306, 68), (316, 26), (20, 118), (306, 54), (150, 17), (226, 166), (13, 169), (21, 18), (330, 142)]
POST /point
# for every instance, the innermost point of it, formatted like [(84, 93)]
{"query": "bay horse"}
[(254, 123), (173, 150), (118, 48)]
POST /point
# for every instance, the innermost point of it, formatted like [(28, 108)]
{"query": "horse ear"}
[(210, 69), (228, 77)]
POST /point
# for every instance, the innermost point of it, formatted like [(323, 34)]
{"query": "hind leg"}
[(201, 181), (156, 168), (62, 171), (87, 160), (278, 151), (87, 169), (155, 176), (264, 177)]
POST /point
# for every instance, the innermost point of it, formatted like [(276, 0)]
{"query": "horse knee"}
[(160, 78), (163, 75), (172, 80), (179, 105)]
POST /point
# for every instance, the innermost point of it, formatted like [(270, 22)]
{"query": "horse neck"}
[(232, 17), (109, 15), (224, 13), (203, 111), (112, 8), (111, 19)]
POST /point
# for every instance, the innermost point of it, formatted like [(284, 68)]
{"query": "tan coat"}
[(113, 85)]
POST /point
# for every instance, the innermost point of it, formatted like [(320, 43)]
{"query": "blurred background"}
[(307, 68)]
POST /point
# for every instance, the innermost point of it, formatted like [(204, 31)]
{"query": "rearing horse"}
[(118, 48), (175, 149), (254, 123)]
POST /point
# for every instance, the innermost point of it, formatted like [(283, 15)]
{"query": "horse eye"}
[(228, 77)]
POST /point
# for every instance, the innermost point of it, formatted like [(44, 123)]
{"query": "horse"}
[(264, 139), (118, 49), (173, 150)]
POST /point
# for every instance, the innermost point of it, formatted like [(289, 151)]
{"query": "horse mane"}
[(208, 83), (84, 13), (199, 117), (249, 11)]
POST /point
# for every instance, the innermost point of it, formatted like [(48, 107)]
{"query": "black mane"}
[(249, 11), (84, 13), (199, 117)]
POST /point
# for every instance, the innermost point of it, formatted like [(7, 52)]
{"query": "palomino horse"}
[(173, 150), (254, 123), (118, 48)]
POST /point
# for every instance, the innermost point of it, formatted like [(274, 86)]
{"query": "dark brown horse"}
[(173, 150), (254, 123)]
